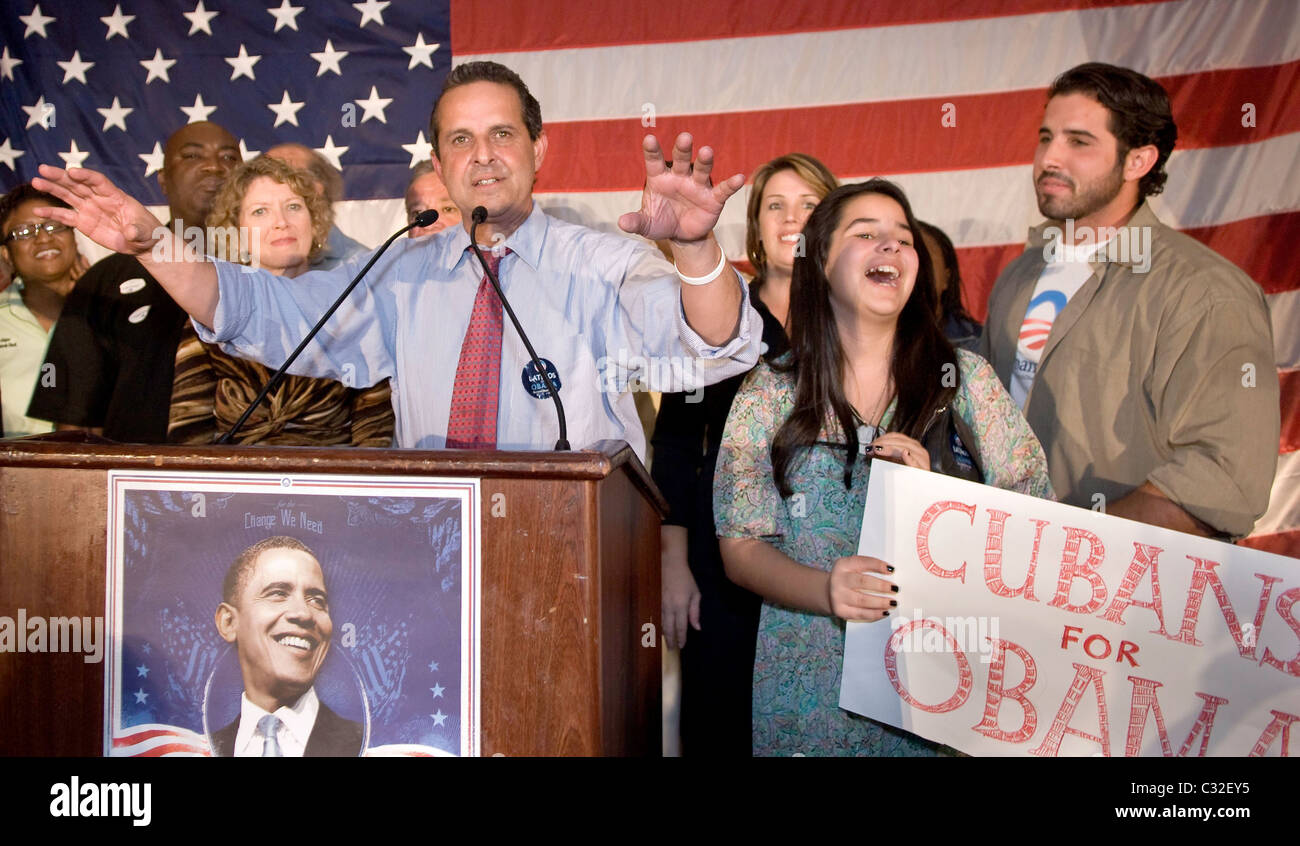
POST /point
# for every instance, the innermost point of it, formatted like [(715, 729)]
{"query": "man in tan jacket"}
[(1142, 359)]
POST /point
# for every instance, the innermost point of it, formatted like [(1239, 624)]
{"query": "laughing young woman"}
[(864, 381)]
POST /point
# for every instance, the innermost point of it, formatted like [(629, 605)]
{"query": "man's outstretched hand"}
[(679, 202), (100, 210)]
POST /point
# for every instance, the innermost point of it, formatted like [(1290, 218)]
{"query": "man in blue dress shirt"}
[(605, 311)]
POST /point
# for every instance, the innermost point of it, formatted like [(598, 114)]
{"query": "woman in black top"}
[(718, 661)]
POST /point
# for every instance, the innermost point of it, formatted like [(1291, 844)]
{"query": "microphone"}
[(425, 218), (478, 216)]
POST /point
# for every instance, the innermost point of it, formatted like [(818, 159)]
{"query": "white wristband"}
[(704, 280)]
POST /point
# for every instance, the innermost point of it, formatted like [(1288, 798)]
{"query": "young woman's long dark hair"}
[(923, 364)]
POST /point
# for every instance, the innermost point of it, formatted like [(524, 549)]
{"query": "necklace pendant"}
[(866, 434)]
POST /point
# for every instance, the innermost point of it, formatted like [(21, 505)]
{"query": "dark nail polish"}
[(893, 603), (894, 588), (889, 567), (884, 613)]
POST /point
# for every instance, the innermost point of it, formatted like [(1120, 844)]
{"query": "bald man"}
[(114, 347), (329, 184)]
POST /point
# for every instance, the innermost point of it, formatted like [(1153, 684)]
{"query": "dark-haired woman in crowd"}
[(42, 257), (864, 381), (962, 330), (286, 224), (721, 618)]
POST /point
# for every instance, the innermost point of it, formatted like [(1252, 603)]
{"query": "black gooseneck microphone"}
[(478, 216), (424, 218)]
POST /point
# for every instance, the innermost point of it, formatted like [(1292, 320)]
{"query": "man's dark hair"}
[(20, 195), (489, 72), (241, 571), (1139, 108)]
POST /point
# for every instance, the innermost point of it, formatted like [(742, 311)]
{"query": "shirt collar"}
[(525, 242), (298, 718)]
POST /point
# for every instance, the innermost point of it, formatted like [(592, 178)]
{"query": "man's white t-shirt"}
[(1060, 280)]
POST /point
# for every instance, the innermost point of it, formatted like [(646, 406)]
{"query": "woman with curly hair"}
[(270, 216)]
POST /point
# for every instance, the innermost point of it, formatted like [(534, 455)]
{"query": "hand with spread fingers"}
[(900, 449), (679, 202), (855, 594), (100, 210)]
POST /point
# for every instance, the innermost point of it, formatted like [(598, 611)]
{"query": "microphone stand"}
[(478, 216)]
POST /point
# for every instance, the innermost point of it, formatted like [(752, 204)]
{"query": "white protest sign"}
[(1027, 627)]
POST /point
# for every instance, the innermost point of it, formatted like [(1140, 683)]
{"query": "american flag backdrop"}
[(945, 96)]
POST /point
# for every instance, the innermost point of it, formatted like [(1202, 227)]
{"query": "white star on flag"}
[(421, 53), (74, 157), (332, 153), (372, 10), (374, 106), (153, 160), (246, 154), (437, 690), (36, 22), (117, 22), (242, 65), (7, 64), (141, 696), (157, 67), (329, 59), (115, 115), (420, 151), (200, 19), (286, 111), (75, 68), (286, 15), (199, 111), (8, 154), (39, 114), (439, 718)]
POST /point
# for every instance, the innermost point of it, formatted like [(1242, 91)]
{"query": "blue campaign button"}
[(535, 384)]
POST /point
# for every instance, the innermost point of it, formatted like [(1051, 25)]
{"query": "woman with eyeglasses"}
[(42, 257), (868, 378)]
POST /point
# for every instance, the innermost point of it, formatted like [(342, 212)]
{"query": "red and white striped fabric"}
[(866, 87)]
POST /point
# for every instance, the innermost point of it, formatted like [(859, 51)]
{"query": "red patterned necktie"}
[(472, 423)]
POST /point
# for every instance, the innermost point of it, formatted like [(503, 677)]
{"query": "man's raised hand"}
[(100, 210), (679, 202)]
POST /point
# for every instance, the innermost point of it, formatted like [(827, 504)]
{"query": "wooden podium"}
[(570, 578)]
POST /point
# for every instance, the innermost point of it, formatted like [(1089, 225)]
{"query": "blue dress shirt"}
[(604, 309)]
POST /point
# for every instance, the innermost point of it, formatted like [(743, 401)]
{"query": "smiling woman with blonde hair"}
[(269, 215)]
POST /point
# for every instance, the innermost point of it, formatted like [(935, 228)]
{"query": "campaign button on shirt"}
[(535, 384), (138, 315), (130, 286)]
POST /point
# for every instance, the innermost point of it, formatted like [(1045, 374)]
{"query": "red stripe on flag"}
[(980, 267), (518, 25), (171, 749), (1264, 247), (904, 136), (1281, 543), (1267, 89), (1290, 409)]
